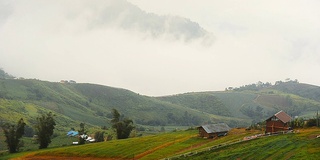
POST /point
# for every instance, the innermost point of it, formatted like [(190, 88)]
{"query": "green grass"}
[(143, 147), (302, 145), (87, 103)]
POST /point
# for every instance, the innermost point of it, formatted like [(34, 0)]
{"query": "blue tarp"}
[(72, 133)]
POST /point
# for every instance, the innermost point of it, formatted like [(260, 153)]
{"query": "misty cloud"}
[(146, 46), (6, 9), (122, 14)]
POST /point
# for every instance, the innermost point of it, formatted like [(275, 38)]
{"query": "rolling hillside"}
[(87, 103), (254, 104), (74, 103)]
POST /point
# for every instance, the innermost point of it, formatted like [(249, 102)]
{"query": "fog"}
[(161, 47)]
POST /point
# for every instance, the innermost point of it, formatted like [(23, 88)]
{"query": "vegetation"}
[(182, 144), (4, 75), (44, 129), (301, 145), (74, 103), (82, 133), (13, 134), (99, 136), (122, 126), (92, 105)]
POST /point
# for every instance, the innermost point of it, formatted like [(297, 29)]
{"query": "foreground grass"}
[(147, 147), (302, 145), (139, 147)]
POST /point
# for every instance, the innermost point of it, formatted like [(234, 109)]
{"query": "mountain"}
[(74, 103), (254, 102), (89, 103)]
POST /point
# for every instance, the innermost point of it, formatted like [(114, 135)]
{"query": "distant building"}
[(63, 81), (213, 130), (66, 81), (72, 81), (278, 122)]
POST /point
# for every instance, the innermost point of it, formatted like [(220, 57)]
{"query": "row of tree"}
[(45, 125), (44, 130)]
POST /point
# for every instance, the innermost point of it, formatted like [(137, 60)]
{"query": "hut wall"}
[(276, 126)]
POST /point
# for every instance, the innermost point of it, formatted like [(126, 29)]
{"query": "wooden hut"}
[(278, 122), (213, 130)]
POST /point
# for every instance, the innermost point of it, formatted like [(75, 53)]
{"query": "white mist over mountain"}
[(161, 47)]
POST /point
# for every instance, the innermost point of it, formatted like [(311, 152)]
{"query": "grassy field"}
[(183, 144), (302, 145), (147, 147)]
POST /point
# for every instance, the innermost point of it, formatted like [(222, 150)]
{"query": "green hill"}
[(253, 104), (74, 103), (88, 103), (301, 89)]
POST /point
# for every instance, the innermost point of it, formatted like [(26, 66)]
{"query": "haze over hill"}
[(161, 47)]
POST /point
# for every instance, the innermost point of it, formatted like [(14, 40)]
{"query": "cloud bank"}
[(148, 47)]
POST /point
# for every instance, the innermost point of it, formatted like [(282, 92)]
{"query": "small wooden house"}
[(213, 130), (278, 122)]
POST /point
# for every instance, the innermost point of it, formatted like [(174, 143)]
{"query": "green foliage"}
[(4, 75), (99, 136), (44, 129), (288, 146), (204, 102), (301, 89), (82, 134), (28, 131), (123, 127), (303, 145), (13, 134), (253, 87), (311, 122), (297, 123)]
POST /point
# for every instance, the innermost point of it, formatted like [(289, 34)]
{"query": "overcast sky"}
[(161, 47)]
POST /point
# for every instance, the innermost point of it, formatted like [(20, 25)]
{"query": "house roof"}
[(284, 117), (214, 128)]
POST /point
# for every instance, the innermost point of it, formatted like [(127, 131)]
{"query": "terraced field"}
[(148, 147), (301, 145), (187, 145)]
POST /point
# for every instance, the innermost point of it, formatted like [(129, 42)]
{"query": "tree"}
[(123, 127), (82, 134), (99, 136), (13, 135), (44, 129)]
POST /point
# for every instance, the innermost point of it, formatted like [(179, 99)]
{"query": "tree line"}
[(45, 125)]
